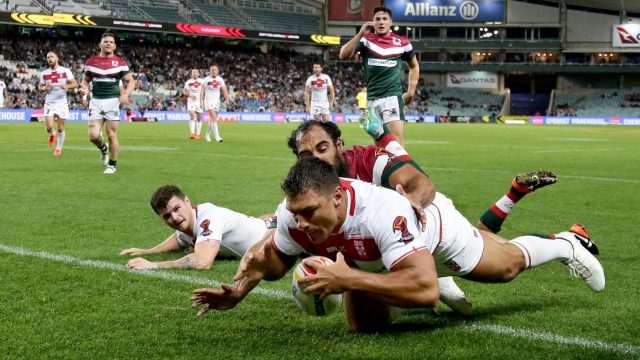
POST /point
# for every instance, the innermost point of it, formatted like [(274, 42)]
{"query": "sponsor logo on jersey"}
[(382, 63), (205, 228), (400, 224), (104, 79)]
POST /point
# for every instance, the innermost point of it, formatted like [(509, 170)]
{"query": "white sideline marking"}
[(632, 181), (200, 281), (577, 139), (273, 293), (549, 337), (553, 151)]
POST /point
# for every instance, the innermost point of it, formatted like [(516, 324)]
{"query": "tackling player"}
[(316, 101), (56, 80), (382, 259), (213, 86), (211, 231), (103, 73), (192, 89), (382, 55)]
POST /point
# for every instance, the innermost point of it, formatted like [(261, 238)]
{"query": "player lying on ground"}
[(209, 229), (367, 229), (389, 165)]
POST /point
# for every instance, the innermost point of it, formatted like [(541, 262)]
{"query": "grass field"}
[(65, 292)]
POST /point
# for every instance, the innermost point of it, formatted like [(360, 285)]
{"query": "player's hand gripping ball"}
[(310, 302)]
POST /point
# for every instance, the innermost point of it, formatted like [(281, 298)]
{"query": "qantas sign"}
[(627, 35)]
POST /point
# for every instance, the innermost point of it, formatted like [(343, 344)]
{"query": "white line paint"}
[(560, 176), (549, 337), (553, 151), (159, 274), (279, 294)]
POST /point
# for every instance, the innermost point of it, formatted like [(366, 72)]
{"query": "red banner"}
[(352, 10)]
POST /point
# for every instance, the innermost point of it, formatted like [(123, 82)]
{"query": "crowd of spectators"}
[(256, 81)]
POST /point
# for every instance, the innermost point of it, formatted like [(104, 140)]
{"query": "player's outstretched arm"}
[(260, 262), (170, 244), (71, 84), (202, 258), (412, 282), (414, 76)]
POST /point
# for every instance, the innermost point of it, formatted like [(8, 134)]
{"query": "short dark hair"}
[(330, 128), (310, 173), (383, 9), (107, 34), (162, 195)]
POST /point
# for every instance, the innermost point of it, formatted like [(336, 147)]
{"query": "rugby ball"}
[(310, 303)]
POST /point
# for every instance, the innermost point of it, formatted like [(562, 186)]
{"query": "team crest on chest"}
[(114, 63), (396, 42)]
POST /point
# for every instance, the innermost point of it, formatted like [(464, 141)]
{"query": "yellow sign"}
[(326, 39), (74, 19), (34, 19), (50, 20)]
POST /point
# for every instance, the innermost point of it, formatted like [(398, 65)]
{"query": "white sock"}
[(192, 126), (198, 127), (209, 129), (538, 251), (215, 130), (60, 140)]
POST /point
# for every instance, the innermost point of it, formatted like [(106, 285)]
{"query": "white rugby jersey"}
[(319, 86), (379, 231), (236, 232), (194, 86), (212, 87), (56, 78)]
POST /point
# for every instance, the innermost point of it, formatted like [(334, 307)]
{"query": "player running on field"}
[(103, 73), (56, 80)]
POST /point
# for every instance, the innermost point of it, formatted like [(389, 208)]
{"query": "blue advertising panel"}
[(458, 11)]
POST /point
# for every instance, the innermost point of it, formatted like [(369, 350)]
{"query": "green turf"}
[(66, 206)]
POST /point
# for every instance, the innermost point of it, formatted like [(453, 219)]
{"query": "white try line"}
[(273, 293), (159, 274)]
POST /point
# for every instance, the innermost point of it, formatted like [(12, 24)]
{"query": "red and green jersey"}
[(382, 58), (376, 164), (105, 74)]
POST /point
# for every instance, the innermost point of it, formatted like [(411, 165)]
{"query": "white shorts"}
[(212, 104), (460, 246), (60, 109), (104, 109), (319, 109), (194, 105), (390, 108)]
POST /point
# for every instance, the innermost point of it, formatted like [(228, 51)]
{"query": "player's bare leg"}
[(192, 124), (114, 146), (397, 129), (95, 136), (60, 137), (48, 124)]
